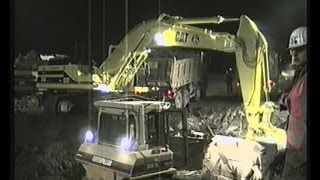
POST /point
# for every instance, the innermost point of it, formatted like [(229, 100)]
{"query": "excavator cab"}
[(139, 139)]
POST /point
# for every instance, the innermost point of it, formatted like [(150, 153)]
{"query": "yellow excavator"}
[(138, 138)]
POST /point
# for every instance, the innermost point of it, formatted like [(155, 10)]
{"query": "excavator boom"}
[(253, 68), (123, 63)]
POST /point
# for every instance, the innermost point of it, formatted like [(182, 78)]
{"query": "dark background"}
[(62, 26)]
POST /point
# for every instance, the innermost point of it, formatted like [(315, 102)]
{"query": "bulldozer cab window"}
[(174, 123), (152, 130), (112, 128)]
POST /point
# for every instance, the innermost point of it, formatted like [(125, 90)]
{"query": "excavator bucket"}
[(233, 158), (252, 63)]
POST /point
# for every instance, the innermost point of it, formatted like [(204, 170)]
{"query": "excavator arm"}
[(253, 68)]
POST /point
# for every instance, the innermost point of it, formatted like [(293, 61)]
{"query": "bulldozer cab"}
[(138, 139), (144, 125), (135, 120)]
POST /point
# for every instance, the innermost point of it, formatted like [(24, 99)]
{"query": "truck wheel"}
[(178, 100), (27, 103), (64, 106), (33, 102)]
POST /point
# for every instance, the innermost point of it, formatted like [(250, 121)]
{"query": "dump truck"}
[(178, 79), (138, 138)]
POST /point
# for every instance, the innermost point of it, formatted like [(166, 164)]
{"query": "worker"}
[(229, 81), (295, 101)]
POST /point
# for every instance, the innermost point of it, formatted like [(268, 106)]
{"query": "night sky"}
[(61, 26)]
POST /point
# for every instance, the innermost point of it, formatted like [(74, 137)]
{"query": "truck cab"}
[(138, 139)]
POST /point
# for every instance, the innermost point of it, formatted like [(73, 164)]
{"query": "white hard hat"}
[(298, 38)]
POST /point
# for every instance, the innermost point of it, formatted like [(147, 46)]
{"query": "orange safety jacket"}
[(297, 106)]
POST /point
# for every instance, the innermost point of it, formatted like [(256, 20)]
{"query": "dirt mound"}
[(227, 120), (222, 120), (55, 161)]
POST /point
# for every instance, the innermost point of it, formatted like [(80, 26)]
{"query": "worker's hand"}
[(288, 72)]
